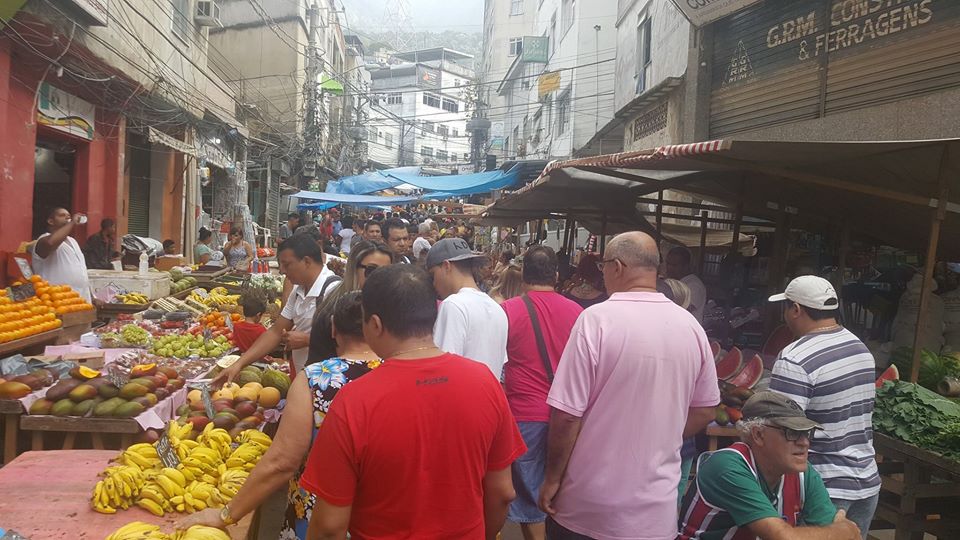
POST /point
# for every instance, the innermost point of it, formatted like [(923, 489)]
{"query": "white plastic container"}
[(144, 266), (153, 285)]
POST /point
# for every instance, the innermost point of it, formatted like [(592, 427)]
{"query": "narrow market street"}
[(479, 270)]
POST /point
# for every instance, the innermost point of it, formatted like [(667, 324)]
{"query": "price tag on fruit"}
[(166, 452), (19, 293), (229, 322), (24, 266)]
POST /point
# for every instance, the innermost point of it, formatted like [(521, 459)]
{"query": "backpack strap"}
[(538, 333), (326, 284)]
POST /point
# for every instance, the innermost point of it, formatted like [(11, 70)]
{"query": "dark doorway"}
[(52, 180)]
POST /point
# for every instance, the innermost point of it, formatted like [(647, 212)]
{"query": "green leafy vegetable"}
[(918, 416)]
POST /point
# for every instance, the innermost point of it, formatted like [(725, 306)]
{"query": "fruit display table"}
[(920, 491), (52, 498), (715, 434), (75, 325), (28, 343), (10, 412)]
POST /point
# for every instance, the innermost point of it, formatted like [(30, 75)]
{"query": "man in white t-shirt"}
[(57, 256), (346, 235), (679, 267), (302, 260), (469, 323)]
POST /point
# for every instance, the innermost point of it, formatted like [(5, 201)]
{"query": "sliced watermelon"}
[(715, 347), (729, 364), (891, 374), (749, 374), (778, 340)]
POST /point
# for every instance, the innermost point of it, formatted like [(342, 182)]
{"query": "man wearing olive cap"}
[(831, 374), (763, 486)]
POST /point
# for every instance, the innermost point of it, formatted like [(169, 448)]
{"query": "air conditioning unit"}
[(208, 13)]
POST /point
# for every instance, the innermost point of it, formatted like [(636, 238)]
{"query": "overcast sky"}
[(434, 15)]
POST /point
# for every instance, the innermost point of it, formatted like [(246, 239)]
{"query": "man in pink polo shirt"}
[(636, 377)]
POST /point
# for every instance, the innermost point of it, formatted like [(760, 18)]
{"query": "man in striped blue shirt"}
[(831, 374)]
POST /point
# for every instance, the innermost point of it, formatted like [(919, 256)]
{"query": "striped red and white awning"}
[(628, 160)]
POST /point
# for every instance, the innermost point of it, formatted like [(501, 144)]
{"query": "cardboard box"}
[(91, 359), (169, 261)]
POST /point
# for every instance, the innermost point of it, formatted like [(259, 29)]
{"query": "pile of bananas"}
[(210, 474), (132, 299), (139, 530), (218, 296)]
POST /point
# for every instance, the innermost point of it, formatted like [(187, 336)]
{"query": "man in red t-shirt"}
[(527, 381), (420, 447)]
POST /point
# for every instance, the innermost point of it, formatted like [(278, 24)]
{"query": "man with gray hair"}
[(635, 378), (764, 487), (422, 244)]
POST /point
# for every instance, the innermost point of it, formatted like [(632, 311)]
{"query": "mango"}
[(84, 408), (82, 392), (133, 390), (108, 391), (41, 406), (107, 407), (14, 390), (128, 410), (148, 382), (64, 407), (33, 382), (62, 389)]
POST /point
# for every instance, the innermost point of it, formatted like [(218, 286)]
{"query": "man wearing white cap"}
[(830, 373)]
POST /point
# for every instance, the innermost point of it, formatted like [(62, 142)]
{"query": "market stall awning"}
[(884, 190), (454, 185), (333, 199)]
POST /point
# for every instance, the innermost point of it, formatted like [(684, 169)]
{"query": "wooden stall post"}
[(703, 242), (738, 218), (566, 236), (936, 219), (603, 233), (659, 216)]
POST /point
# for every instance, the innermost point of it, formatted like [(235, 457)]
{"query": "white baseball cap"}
[(811, 291)]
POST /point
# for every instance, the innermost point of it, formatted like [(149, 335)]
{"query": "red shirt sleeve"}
[(507, 443), (332, 468)]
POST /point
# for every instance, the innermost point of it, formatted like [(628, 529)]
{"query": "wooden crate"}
[(10, 412), (29, 343), (72, 426)]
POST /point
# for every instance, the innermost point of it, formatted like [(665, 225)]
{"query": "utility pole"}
[(311, 125)]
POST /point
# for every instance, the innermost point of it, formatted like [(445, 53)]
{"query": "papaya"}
[(82, 392), (128, 410), (107, 407), (84, 408), (143, 370), (84, 373), (62, 389), (132, 390), (14, 390), (41, 406), (64, 407)]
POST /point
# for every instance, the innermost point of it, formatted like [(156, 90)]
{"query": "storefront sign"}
[(65, 112), (650, 122), (548, 82), (159, 137), (428, 77), (776, 36), (535, 49), (95, 9), (701, 12)]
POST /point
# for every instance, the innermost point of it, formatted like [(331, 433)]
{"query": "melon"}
[(248, 376), (749, 374), (275, 379), (269, 397), (778, 340), (891, 374), (729, 364), (715, 348)]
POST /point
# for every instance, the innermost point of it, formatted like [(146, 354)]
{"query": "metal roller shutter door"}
[(138, 217)]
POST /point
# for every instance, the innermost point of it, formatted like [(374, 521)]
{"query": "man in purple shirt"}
[(636, 377)]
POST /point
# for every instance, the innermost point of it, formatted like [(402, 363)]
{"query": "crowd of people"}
[(440, 391)]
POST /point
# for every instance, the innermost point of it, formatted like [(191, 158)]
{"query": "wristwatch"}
[(225, 516)]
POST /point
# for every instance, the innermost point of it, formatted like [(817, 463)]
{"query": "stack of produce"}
[(22, 385), (210, 473), (918, 416), (139, 530), (25, 318), (182, 284), (130, 336), (133, 298), (186, 345), (733, 369), (732, 399), (215, 297), (217, 320), (86, 393), (61, 298), (933, 367)]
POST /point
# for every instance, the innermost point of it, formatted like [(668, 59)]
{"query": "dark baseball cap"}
[(778, 410), (450, 249)]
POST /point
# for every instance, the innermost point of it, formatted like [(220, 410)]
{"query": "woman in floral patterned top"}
[(307, 403)]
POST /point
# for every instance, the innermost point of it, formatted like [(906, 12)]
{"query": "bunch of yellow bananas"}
[(139, 530), (209, 474), (119, 487), (133, 298), (218, 296)]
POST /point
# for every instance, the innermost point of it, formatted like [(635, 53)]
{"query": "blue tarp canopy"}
[(328, 200), (452, 185)]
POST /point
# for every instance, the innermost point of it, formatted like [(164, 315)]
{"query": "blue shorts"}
[(528, 472)]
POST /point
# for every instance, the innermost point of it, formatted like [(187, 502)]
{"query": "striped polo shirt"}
[(831, 375)]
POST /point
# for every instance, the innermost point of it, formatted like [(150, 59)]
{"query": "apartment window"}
[(394, 99), (516, 7), (443, 130), (516, 46), (566, 16), (426, 151), (431, 100), (388, 140), (552, 35), (643, 53), (563, 112), (466, 156), (450, 105), (455, 132), (181, 18), (428, 126), (442, 155), (372, 134)]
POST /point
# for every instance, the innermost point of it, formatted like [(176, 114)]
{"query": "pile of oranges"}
[(217, 319), (61, 298), (23, 319)]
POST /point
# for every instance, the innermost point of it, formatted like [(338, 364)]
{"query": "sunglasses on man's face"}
[(367, 268), (792, 435)]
